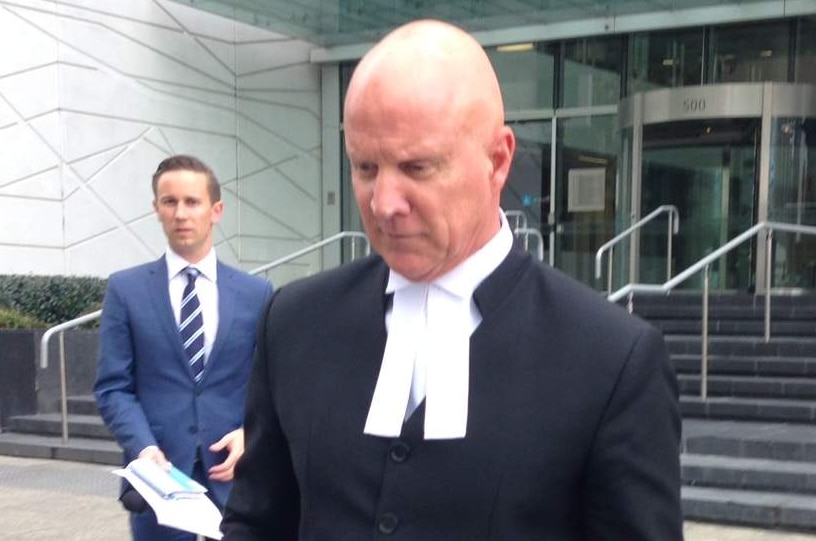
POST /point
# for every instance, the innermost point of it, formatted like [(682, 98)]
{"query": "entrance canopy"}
[(340, 22)]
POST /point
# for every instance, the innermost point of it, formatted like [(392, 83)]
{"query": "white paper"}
[(195, 513)]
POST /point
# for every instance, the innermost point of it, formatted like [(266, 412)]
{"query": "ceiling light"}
[(767, 53), (515, 48)]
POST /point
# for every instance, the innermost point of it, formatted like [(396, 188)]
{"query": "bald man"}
[(450, 387)]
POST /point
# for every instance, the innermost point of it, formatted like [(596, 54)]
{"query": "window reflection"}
[(592, 72), (665, 60), (526, 73), (750, 53), (806, 51)]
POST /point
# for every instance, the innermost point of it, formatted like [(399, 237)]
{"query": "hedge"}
[(50, 299)]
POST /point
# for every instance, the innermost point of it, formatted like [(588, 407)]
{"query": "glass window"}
[(806, 51), (665, 60), (526, 74), (750, 53), (592, 72), (792, 199)]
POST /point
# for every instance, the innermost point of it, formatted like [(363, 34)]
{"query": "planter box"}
[(25, 388)]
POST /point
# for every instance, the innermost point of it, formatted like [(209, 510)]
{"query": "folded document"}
[(178, 501)]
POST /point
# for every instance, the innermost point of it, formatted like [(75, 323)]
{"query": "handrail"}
[(674, 223), (519, 216), (703, 265), (60, 328), (531, 231), (313, 247)]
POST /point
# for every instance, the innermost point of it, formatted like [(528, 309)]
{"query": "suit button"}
[(192, 430), (399, 452), (388, 523)]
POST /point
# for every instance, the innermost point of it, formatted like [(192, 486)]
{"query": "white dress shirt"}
[(206, 288), (427, 353)]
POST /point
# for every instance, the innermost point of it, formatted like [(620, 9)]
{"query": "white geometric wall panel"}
[(94, 93)]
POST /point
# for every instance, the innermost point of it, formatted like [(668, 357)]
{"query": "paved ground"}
[(50, 500)]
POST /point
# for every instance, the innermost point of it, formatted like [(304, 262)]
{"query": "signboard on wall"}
[(586, 189)]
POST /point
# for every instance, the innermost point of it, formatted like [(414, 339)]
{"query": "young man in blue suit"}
[(176, 342), (450, 387)]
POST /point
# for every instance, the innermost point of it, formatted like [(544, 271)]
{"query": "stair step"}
[(76, 449), (742, 346), (745, 365), (748, 473), (745, 439), (746, 327), (82, 405), (84, 426), (747, 312), (757, 409), (750, 386), (762, 509)]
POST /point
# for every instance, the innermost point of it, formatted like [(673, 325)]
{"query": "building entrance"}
[(727, 156)]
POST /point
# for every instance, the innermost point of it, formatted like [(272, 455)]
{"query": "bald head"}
[(433, 66), (429, 151)]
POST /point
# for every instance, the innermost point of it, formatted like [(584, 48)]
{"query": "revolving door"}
[(728, 157)]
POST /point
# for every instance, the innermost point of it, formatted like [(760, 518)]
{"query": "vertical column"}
[(637, 168), (764, 183)]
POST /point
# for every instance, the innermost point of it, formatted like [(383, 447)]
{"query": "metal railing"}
[(703, 265), (517, 219), (62, 327), (524, 233), (673, 225)]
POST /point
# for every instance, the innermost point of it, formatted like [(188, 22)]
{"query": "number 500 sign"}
[(694, 105)]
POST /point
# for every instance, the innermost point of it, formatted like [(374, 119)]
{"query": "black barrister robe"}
[(573, 425)]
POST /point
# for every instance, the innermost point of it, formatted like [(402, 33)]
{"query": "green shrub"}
[(51, 299), (10, 319)]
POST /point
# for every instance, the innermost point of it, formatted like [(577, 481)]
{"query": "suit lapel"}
[(160, 297)]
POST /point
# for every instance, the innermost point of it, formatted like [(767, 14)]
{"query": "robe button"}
[(388, 523), (399, 452)]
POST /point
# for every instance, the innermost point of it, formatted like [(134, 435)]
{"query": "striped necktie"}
[(192, 324)]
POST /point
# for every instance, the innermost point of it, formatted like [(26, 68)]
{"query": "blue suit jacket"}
[(145, 388)]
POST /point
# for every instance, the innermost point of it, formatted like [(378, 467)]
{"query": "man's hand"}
[(155, 454), (234, 443)]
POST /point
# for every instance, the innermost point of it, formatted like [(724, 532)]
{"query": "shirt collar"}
[(207, 266), (463, 279)]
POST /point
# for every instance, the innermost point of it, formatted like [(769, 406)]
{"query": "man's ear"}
[(156, 208), (501, 155), (217, 211)]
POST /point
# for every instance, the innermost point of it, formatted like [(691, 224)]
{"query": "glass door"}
[(585, 191), (708, 170)]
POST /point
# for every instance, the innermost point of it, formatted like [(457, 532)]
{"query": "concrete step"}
[(76, 449), (755, 508), (799, 367), (82, 426), (742, 346), (82, 405), (749, 473), (736, 327), (736, 312), (750, 409), (745, 439), (750, 386)]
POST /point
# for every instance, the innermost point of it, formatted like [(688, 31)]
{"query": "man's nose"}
[(388, 198)]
